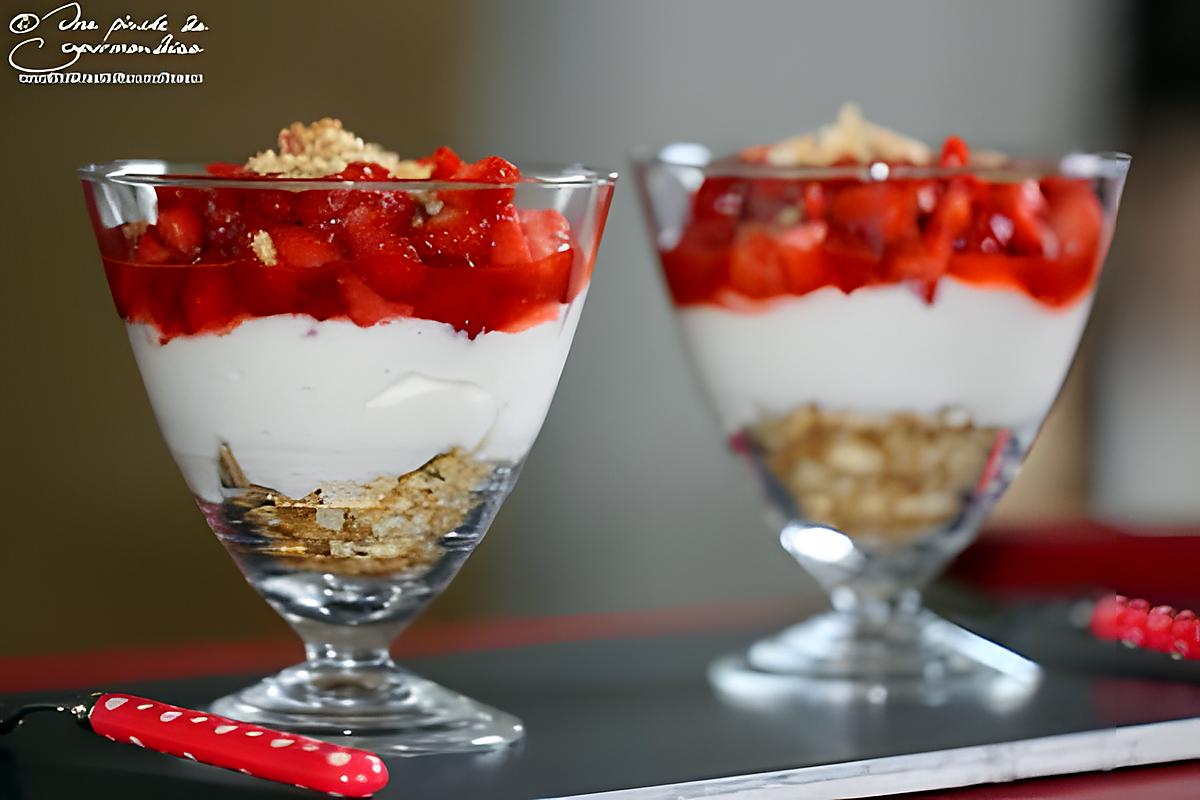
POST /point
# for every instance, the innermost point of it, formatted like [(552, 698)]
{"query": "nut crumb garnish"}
[(851, 137), (264, 247), (134, 230), (326, 148)]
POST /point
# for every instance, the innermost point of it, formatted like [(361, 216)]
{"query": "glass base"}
[(387, 710), (845, 657)]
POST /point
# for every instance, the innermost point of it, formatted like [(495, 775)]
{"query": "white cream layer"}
[(996, 353), (300, 402)]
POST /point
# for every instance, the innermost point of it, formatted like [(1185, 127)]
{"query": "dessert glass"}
[(881, 345), (348, 409)]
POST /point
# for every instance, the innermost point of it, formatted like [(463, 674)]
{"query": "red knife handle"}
[(250, 749)]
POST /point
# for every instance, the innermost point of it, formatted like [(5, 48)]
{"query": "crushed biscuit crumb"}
[(892, 477), (326, 148), (383, 526), (851, 137), (264, 247)]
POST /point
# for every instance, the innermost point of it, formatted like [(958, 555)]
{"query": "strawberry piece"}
[(222, 169), (320, 294), (1010, 220), (124, 281), (461, 296), (208, 300), (324, 206), (510, 245), (816, 204), (227, 234), (455, 236), (364, 306), (460, 232), (758, 265), (395, 276), (770, 199), (719, 200), (546, 232), (492, 169), (912, 260), (372, 225), (299, 247), (390, 267), (266, 291), (445, 163), (267, 207), (545, 280), (955, 153), (150, 250), (805, 264), (161, 290), (698, 266), (1075, 216), (869, 216), (755, 153), (950, 219), (180, 228), (363, 171)]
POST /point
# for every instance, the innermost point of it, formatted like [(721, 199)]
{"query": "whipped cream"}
[(301, 402), (996, 354)]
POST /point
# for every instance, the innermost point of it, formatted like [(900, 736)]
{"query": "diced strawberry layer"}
[(770, 237), (467, 257)]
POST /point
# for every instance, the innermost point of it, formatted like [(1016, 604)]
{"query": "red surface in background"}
[(97, 668), (1051, 560), (1072, 559), (1084, 557)]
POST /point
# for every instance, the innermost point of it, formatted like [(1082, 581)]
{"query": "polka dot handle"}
[(249, 749)]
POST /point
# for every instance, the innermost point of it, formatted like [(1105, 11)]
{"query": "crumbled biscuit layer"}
[(890, 476), (326, 148), (851, 137), (385, 526)]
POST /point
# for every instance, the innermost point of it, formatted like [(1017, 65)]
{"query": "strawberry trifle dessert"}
[(349, 353), (881, 328)]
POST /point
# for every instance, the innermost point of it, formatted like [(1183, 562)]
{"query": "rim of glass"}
[(155, 172), (690, 155)]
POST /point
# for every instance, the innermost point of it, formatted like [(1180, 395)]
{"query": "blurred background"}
[(629, 500)]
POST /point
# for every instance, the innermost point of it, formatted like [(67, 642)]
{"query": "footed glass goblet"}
[(881, 342), (349, 375)]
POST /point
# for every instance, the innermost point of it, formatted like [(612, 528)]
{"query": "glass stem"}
[(878, 611), (349, 659)]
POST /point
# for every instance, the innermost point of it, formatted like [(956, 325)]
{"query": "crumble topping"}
[(326, 148), (851, 137), (264, 247), (891, 476), (383, 526)]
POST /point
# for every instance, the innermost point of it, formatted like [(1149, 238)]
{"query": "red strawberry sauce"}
[(466, 257), (762, 238)]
